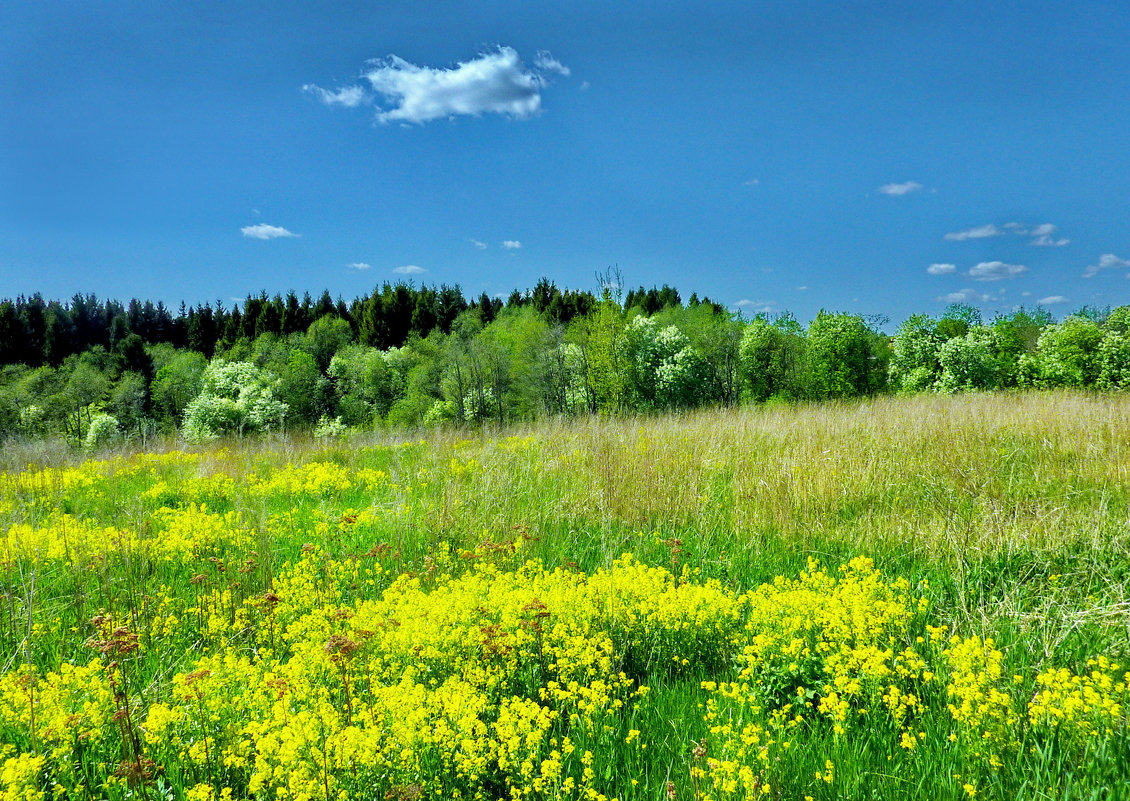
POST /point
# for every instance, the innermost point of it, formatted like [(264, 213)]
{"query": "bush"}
[(103, 431)]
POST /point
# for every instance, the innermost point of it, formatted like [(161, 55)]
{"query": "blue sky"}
[(873, 157)]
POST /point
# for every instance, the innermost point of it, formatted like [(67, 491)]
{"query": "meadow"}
[(900, 597)]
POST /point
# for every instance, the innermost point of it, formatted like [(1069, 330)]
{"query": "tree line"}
[(94, 371)]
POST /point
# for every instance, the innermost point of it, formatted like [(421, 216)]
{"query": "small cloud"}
[(360, 265), (585, 86), (802, 289), (981, 232), (1044, 236), (995, 271), (1051, 300), (478, 244), (409, 269), (751, 182), (349, 96), (1016, 228), (512, 244), (757, 306), (1025, 294), (941, 269), (1107, 261), (545, 61), (264, 231), (966, 296), (898, 190)]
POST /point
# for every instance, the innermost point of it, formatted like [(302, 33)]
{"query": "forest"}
[(96, 372)]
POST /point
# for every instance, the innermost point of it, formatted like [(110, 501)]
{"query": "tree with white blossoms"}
[(914, 354), (1114, 350), (237, 398), (666, 372), (967, 362)]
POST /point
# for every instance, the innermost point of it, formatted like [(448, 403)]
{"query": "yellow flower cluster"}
[(840, 649), (171, 534), (467, 682), (1082, 706)]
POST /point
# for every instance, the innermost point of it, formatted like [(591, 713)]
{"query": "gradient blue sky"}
[(772, 155)]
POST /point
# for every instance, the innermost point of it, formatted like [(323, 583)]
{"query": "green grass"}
[(1012, 508)]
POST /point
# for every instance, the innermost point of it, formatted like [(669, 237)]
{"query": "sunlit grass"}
[(306, 619)]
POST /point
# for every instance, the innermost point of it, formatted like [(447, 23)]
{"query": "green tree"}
[(772, 360), (842, 362), (326, 336), (178, 381), (1067, 353)]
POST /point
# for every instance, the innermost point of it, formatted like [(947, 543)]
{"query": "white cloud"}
[(802, 289), (757, 306), (1052, 300), (981, 232), (359, 265), (585, 85), (545, 61), (751, 182), (1107, 261), (512, 244), (409, 269), (478, 244), (496, 82), (995, 271), (1044, 236), (966, 296), (898, 190), (941, 269), (348, 96), (264, 231), (1017, 228)]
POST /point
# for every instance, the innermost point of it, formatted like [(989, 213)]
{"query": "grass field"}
[(900, 598)]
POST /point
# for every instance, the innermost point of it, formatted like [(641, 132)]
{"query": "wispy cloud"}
[(348, 96), (941, 269), (995, 271), (967, 296), (1044, 236), (512, 244), (980, 232), (360, 265), (1052, 300), (1107, 261), (898, 190), (751, 182), (478, 244), (757, 306), (802, 289), (409, 269), (494, 82), (264, 231), (545, 61)]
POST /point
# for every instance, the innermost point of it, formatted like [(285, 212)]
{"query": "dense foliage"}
[(407, 357)]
